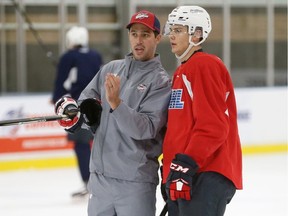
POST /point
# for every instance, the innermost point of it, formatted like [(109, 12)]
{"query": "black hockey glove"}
[(91, 109), (66, 105), (180, 178)]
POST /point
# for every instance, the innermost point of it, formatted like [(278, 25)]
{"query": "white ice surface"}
[(47, 192)]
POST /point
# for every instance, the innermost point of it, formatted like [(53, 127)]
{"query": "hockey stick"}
[(164, 210), (21, 121)]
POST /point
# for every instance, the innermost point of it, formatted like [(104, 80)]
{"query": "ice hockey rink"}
[(47, 192)]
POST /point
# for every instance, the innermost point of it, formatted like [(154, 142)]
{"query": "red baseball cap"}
[(146, 18)]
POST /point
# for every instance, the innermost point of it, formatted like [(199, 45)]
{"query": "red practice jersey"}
[(202, 118)]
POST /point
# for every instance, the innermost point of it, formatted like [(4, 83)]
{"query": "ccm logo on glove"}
[(178, 168)]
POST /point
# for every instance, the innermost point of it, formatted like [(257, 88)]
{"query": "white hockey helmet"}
[(77, 36), (195, 18)]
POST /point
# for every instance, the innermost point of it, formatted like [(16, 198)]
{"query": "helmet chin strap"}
[(191, 44), (185, 53)]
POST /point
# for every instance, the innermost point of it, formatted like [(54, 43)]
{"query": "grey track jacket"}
[(128, 141)]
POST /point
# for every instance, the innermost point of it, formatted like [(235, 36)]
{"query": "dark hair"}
[(156, 33)]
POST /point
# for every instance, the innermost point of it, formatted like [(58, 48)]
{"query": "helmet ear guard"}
[(198, 33)]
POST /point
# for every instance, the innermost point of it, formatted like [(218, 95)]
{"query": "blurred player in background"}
[(77, 66), (134, 94), (202, 159)]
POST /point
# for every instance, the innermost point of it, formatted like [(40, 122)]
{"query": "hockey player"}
[(202, 159), (134, 94), (76, 68)]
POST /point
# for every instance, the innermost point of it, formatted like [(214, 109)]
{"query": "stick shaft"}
[(164, 210), (70, 114), (21, 121)]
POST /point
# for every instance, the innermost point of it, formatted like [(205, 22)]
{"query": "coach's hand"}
[(180, 178), (112, 87), (65, 106)]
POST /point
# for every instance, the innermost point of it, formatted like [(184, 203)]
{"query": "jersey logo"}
[(175, 100), (141, 87)]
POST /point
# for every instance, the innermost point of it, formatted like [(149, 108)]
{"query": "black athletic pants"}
[(211, 193), (82, 148)]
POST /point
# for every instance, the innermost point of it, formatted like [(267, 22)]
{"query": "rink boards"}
[(262, 121)]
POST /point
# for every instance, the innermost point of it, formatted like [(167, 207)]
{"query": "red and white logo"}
[(142, 16)]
